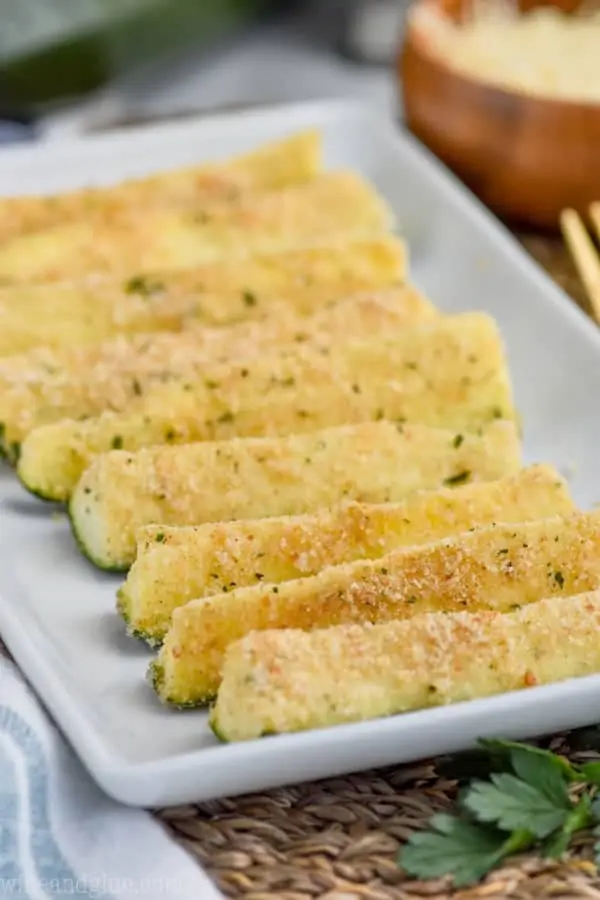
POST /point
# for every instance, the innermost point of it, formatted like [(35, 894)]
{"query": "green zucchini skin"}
[(214, 727), (38, 494), (81, 546), (50, 65), (9, 450), (122, 610), (155, 676)]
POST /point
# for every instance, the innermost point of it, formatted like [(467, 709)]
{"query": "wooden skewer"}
[(595, 217), (583, 252)]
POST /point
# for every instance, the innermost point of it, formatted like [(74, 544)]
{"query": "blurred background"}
[(507, 97), (67, 66)]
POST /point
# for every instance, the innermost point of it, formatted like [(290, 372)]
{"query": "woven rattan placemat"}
[(338, 839)]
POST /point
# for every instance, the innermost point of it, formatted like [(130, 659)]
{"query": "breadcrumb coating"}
[(498, 567), (244, 478), (174, 565), (450, 374), (282, 681)]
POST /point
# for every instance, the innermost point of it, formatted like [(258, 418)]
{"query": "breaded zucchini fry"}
[(331, 207), (274, 165), (374, 462), (175, 565), (47, 385), (282, 681), (450, 374), (71, 314), (497, 567)]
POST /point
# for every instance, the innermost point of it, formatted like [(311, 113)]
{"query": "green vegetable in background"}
[(52, 50)]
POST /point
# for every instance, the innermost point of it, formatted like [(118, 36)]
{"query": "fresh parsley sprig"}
[(527, 798)]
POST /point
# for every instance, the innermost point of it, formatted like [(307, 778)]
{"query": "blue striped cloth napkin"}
[(11, 132), (60, 835)]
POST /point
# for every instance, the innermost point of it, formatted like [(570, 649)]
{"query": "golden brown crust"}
[(451, 374), (278, 681), (70, 314), (175, 565), (47, 385), (497, 567), (247, 478), (273, 165), (316, 212)]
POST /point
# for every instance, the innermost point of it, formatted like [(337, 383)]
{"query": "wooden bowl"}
[(527, 158)]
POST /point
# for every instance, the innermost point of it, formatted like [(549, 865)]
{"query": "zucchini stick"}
[(174, 565), (451, 374), (274, 165), (374, 462), (70, 314), (285, 681), (47, 385), (498, 567), (330, 207)]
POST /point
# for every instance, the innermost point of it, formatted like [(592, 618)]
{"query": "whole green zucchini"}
[(56, 50)]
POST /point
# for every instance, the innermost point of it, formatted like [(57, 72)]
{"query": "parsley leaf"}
[(453, 847), (460, 848), (541, 772), (557, 844), (591, 772), (513, 750), (459, 478), (579, 817), (510, 803), (524, 802), (143, 285)]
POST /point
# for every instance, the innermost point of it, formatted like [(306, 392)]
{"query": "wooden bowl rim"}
[(417, 42)]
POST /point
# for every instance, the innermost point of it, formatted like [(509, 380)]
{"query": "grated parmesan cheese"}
[(544, 53)]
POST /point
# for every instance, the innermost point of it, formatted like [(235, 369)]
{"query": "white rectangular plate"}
[(57, 613)]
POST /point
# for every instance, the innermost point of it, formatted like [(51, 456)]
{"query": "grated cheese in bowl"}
[(544, 53)]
